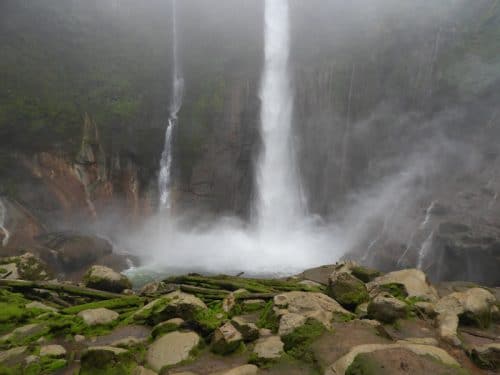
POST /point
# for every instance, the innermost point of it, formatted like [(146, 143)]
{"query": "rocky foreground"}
[(337, 319)]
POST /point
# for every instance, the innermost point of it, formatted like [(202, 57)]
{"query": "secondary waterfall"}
[(165, 175), (3, 219), (279, 199)]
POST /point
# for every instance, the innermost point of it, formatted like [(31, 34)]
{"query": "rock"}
[(104, 278), (426, 308), (126, 342), (243, 370), (310, 283), (26, 331), (419, 340), (265, 332), (248, 330), (167, 326), (13, 354), (226, 339), (54, 351), (310, 305), (487, 356), (364, 274), (230, 301), (175, 304), (343, 363), (171, 349), (387, 309), (250, 305), (105, 359), (347, 290), (473, 305), (9, 271), (362, 310), (79, 338), (157, 288), (31, 359), (140, 370), (40, 306), (25, 267), (414, 281), (289, 322), (93, 317), (269, 348)]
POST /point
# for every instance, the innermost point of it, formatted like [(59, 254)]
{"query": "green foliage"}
[(396, 290), (207, 320), (268, 318), (298, 343)]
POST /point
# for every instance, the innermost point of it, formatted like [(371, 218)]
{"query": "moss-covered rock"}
[(168, 326), (226, 339), (347, 290), (387, 309), (365, 274), (298, 343), (106, 360), (487, 356), (104, 278), (171, 349), (25, 267)]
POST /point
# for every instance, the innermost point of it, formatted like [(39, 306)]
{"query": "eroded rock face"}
[(104, 278), (171, 349), (475, 305), (94, 317)]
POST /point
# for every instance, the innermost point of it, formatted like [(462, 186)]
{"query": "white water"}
[(283, 240), (279, 199), (3, 219), (165, 175), (424, 250)]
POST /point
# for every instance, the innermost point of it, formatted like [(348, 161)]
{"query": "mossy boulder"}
[(298, 343), (365, 274), (387, 309), (487, 356), (106, 360), (100, 316), (171, 349), (267, 349), (25, 267), (347, 290), (168, 326), (104, 278), (226, 339), (248, 330)]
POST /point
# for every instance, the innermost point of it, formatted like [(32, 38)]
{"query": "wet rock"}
[(269, 348), (414, 281), (487, 356), (387, 309), (104, 278), (171, 349), (226, 339), (347, 290), (437, 354), (94, 317), (54, 351)]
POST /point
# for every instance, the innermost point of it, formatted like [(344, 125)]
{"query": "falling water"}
[(3, 219), (424, 250), (280, 203), (165, 175)]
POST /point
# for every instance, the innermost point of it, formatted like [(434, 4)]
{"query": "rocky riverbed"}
[(335, 319)]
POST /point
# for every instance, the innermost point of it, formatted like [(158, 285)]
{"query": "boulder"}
[(157, 288), (414, 281), (341, 366), (25, 267), (487, 356), (26, 331), (40, 306), (269, 348), (387, 309), (105, 359), (104, 278), (174, 305), (166, 327), (473, 306), (13, 354), (243, 370), (54, 351), (171, 349), (347, 290), (94, 317), (248, 330), (140, 370), (310, 305), (230, 301), (226, 339), (289, 322)]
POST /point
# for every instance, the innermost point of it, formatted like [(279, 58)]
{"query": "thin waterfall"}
[(279, 198), (165, 175), (3, 219)]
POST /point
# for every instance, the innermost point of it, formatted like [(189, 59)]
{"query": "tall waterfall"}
[(279, 203), (165, 175), (3, 219)]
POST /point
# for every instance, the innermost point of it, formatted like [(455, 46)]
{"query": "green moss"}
[(298, 343), (207, 320), (364, 365), (348, 291), (154, 313), (268, 318), (396, 290), (163, 328), (365, 274), (104, 362), (44, 366)]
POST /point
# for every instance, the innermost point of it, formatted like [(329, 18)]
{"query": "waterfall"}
[(279, 199), (3, 219), (165, 175)]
